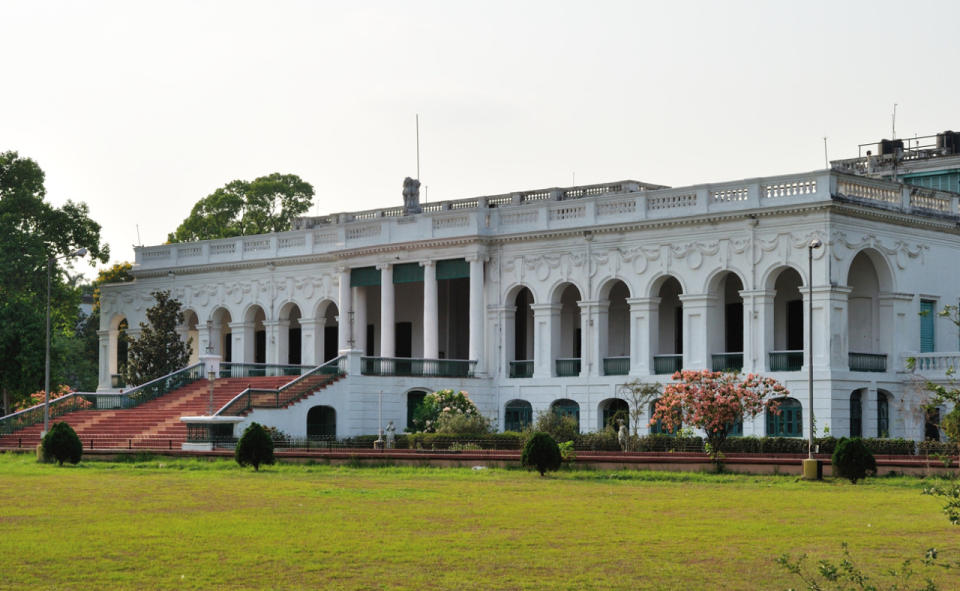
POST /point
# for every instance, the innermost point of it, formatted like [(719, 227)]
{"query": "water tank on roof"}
[(891, 147), (948, 142)]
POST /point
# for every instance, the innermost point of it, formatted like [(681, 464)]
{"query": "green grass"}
[(193, 524)]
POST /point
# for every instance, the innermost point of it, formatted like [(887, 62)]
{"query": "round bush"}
[(542, 453), (255, 447), (851, 459), (62, 444)]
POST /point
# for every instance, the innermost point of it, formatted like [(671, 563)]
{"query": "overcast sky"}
[(139, 109)]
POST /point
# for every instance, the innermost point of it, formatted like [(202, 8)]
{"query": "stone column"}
[(506, 316), (431, 330), (644, 327), (591, 356), (310, 354), (758, 326), (277, 349), (830, 347), (105, 355), (239, 349), (388, 310), (895, 309), (476, 309), (546, 338), (696, 354), (868, 418), (360, 319), (344, 341)]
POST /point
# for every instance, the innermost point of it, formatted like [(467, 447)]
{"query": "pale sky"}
[(139, 109)]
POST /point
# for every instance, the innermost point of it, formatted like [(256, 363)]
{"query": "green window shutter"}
[(926, 326), (408, 273), (453, 269), (364, 276)]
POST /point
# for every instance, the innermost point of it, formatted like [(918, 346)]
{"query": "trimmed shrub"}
[(470, 423), (605, 440), (853, 460), (894, 447), (255, 447), (542, 453), (506, 440), (938, 448), (62, 444)]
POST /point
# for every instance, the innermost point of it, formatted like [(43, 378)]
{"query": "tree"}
[(31, 232), (158, 350), (255, 447), (62, 444), (715, 401), (949, 392), (851, 459), (541, 452), (639, 394), (240, 208)]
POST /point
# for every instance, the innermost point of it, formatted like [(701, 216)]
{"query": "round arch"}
[(885, 276), (559, 287), (517, 415), (772, 274), (789, 423), (608, 284), (610, 411), (322, 423), (657, 282)]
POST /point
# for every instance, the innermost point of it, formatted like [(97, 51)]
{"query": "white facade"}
[(583, 289)]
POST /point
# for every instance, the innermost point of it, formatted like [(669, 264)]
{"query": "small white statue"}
[(622, 435), (391, 435)]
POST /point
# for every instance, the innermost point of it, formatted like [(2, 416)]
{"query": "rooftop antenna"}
[(418, 146), (894, 120), (826, 161), (139, 242), (573, 183)]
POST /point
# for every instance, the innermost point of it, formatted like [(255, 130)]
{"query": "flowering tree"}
[(448, 411), (714, 401)]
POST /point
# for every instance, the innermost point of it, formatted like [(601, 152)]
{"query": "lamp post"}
[(46, 365), (810, 463)]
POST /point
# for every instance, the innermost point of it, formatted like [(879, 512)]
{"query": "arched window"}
[(322, 423), (613, 409), (789, 423), (517, 415), (414, 399), (567, 408), (883, 415), (856, 414)]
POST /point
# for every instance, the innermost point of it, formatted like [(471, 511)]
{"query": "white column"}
[(388, 310), (105, 354), (762, 338), (360, 319), (431, 330), (242, 348), (590, 359), (546, 338), (830, 347), (476, 309), (277, 349), (506, 316), (309, 329), (600, 338), (695, 351), (644, 328), (895, 308), (344, 307)]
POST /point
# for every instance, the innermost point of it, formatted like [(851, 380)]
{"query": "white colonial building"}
[(554, 298)]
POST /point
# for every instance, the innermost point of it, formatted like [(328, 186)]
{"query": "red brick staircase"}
[(155, 424)]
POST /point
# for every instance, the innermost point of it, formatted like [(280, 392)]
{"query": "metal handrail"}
[(339, 363)]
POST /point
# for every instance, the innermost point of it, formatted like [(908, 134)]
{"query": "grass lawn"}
[(191, 524)]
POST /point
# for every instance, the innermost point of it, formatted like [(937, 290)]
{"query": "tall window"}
[(789, 423), (856, 415), (927, 315), (883, 415)]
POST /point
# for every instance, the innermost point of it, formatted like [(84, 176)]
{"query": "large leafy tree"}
[(239, 208), (158, 350), (31, 232)]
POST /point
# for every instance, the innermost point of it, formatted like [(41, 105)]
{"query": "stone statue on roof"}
[(411, 196)]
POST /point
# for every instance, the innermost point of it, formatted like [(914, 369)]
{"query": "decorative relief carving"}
[(900, 251)]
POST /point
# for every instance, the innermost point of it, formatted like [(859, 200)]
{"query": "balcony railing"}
[(568, 367), (248, 370), (786, 360), (933, 362), (616, 366), (667, 364), (521, 369), (727, 361), (868, 362), (402, 366)]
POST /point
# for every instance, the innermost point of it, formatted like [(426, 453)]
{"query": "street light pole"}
[(46, 364), (815, 243)]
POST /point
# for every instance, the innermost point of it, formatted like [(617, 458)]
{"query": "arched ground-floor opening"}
[(414, 400), (610, 411), (517, 415), (566, 408), (788, 422), (322, 423)]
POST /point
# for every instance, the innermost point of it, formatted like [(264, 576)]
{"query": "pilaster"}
[(644, 326)]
